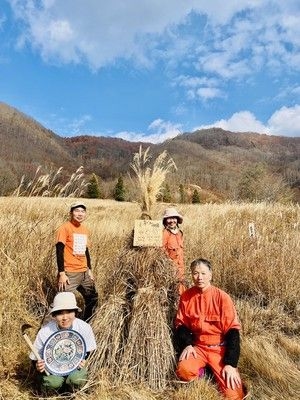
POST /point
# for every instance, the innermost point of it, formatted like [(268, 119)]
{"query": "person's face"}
[(201, 276), (171, 222), (65, 318), (78, 214)]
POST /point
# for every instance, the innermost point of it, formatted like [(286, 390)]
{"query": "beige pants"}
[(82, 282)]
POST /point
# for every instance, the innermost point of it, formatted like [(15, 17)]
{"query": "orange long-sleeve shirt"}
[(209, 314)]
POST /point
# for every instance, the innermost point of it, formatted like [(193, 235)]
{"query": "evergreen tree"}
[(182, 194), (167, 198), (93, 189), (247, 186), (196, 197), (119, 192)]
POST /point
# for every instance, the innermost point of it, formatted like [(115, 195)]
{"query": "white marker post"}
[(251, 228)]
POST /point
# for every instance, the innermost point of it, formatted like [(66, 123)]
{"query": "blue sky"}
[(151, 69)]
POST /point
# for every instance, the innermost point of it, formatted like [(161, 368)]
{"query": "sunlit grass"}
[(260, 272)]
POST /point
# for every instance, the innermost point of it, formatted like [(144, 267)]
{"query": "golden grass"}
[(261, 273), (150, 179), (49, 185)]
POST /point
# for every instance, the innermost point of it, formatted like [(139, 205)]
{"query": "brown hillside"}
[(25, 144), (105, 156), (213, 159), (216, 159)]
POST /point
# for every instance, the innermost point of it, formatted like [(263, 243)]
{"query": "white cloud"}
[(243, 121), (159, 132), (98, 32), (208, 93), (286, 121), (202, 88), (283, 122), (60, 31), (213, 42)]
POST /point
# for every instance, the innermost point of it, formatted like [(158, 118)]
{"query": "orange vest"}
[(209, 314)]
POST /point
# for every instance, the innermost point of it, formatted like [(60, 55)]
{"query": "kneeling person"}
[(208, 329), (63, 311)]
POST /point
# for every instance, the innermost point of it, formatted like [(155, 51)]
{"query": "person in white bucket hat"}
[(63, 311), (73, 259), (64, 301), (173, 243)]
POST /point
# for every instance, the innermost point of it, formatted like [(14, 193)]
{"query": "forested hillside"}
[(218, 164)]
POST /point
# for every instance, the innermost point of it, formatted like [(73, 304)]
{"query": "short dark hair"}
[(198, 261), (77, 206), (55, 313)]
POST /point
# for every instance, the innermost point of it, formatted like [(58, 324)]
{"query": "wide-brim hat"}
[(172, 212), (64, 301), (77, 204)]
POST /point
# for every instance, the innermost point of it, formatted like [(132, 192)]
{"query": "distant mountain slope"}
[(26, 144), (105, 156), (216, 159), (213, 159)]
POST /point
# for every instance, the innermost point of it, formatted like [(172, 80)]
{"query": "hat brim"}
[(77, 206), (179, 218), (62, 309)]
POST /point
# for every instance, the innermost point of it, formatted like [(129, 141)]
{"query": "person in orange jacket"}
[(207, 330), (173, 242)]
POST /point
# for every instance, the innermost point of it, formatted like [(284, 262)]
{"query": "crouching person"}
[(63, 311), (206, 325)]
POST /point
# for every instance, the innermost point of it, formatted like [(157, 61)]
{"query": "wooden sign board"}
[(147, 233)]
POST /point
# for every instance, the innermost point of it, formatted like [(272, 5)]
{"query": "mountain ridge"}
[(210, 158)]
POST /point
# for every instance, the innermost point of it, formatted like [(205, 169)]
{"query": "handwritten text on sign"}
[(147, 233)]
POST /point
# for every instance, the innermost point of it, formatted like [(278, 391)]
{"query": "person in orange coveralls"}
[(173, 242), (207, 328)]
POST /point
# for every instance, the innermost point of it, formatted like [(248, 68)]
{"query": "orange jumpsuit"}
[(173, 247), (208, 315)]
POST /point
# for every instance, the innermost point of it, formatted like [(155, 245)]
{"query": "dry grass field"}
[(261, 273)]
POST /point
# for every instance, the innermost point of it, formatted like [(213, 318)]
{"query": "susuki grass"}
[(49, 185), (150, 179), (260, 272)]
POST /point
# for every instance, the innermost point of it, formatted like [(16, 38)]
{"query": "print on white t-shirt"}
[(79, 245)]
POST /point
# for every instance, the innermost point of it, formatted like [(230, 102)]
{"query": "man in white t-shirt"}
[(63, 311)]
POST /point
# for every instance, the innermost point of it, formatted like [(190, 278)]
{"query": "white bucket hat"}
[(172, 212), (64, 301), (77, 204)]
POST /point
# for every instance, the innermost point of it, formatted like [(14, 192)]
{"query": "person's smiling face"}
[(171, 222), (65, 318), (78, 215)]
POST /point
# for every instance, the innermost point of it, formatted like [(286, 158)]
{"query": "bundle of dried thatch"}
[(148, 352), (132, 327)]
